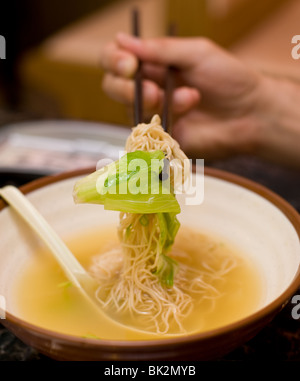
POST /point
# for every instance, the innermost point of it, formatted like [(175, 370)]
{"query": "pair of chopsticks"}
[(138, 88)]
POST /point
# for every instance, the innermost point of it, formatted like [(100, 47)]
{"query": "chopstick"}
[(138, 84), (166, 113), (168, 90)]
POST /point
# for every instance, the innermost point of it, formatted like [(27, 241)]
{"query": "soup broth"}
[(46, 298)]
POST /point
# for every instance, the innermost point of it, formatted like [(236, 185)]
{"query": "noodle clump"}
[(130, 287)]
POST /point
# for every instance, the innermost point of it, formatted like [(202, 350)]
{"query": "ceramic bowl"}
[(260, 223)]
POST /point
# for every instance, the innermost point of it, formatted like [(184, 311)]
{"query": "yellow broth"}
[(45, 297)]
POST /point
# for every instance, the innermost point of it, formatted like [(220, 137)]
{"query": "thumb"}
[(180, 52)]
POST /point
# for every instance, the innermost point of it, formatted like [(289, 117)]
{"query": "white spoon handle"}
[(72, 268), (79, 277)]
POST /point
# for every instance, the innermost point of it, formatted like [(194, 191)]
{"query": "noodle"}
[(130, 288), (151, 137)]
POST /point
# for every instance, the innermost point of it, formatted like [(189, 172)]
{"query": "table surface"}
[(280, 339)]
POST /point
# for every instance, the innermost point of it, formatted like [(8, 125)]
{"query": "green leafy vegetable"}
[(133, 184), (144, 220), (168, 226), (166, 270), (130, 184), (128, 230)]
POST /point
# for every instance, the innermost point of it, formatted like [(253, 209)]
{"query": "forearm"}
[(279, 115)]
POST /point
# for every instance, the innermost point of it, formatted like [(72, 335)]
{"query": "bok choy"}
[(131, 184), (136, 183)]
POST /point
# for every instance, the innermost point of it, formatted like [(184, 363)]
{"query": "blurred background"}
[(53, 47)]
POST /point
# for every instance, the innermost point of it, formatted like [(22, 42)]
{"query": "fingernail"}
[(126, 66)]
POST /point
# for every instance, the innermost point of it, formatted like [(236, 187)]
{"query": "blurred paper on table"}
[(52, 147)]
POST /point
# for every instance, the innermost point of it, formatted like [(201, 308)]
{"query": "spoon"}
[(76, 274)]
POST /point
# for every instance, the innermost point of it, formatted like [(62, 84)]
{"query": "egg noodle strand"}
[(129, 287)]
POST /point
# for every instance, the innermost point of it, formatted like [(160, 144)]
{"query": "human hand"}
[(220, 106)]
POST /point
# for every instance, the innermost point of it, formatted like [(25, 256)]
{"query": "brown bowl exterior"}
[(200, 347), (203, 346)]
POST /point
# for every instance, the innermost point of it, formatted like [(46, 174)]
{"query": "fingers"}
[(118, 61), (122, 90), (123, 63), (185, 99), (181, 52), (154, 72)]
